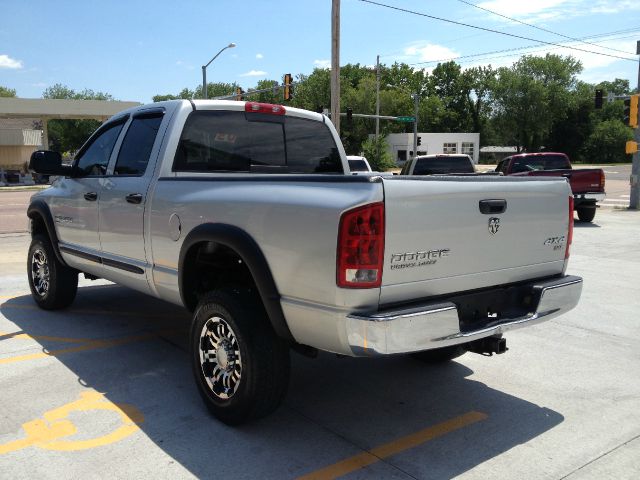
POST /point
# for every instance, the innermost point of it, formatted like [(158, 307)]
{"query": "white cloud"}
[(40, 84), (7, 62), (322, 63), (259, 56), (428, 52), (254, 73)]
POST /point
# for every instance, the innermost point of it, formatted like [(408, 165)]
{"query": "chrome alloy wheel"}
[(220, 358), (40, 272)]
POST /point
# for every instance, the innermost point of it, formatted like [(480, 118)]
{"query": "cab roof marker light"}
[(269, 108)]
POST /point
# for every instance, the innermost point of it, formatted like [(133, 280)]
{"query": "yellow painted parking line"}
[(26, 336), (367, 458), (90, 345), (49, 431), (94, 312)]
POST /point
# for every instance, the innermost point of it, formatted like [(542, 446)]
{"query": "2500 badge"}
[(417, 259)]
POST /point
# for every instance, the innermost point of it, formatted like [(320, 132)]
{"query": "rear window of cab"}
[(232, 141)]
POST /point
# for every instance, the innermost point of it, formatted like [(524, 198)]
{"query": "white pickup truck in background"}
[(245, 214)]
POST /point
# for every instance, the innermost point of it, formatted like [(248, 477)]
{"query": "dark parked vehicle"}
[(587, 184), (438, 164)]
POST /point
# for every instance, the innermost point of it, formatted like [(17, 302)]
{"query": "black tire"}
[(440, 355), (242, 367), (53, 285), (586, 214)]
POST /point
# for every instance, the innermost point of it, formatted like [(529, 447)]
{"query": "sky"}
[(136, 49)]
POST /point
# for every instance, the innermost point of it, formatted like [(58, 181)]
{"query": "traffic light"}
[(631, 111), (419, 141), (631, 147), (598, 99), (349, 114), (239, 93), (288, 87)]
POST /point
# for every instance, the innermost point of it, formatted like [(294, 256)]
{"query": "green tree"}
[(606, 143), (7, 92), (532, 96), (376, 151), (68, 135)]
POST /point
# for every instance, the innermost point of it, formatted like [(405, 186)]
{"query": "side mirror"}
[(48, 163)]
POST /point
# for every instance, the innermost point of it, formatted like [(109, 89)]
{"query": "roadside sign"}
[(405, 119)]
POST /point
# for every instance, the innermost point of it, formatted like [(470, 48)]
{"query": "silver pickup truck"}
[(246, 214)]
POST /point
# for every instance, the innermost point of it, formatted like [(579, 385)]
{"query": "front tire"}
[(53, 285), (240, 365)]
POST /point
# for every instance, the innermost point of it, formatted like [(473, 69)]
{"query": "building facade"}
[(401, 145)]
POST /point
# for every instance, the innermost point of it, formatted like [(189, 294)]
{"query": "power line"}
[(493, 31), (516, 49), (540, 28)]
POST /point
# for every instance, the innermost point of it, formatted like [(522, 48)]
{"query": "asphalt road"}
[(104, 389)]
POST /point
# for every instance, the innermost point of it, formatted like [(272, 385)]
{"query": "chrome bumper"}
[(435, 325), (597, 196)]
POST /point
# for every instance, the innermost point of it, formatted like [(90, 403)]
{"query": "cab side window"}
[(137, 144), (93, 160)]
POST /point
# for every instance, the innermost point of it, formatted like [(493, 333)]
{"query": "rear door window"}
[(226, 141), (137, 144)]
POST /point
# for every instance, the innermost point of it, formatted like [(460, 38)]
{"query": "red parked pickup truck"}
[(587, 184)]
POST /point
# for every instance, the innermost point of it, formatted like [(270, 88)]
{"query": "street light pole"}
[(204, 69), (634, 195)]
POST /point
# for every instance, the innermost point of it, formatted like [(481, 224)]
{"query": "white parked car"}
[(358, 164)]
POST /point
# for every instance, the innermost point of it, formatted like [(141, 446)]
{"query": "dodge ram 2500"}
[(245, 214)]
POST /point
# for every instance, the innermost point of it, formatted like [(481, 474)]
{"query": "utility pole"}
[(416, 99), (634, 195), (377, 96), (335, 64)]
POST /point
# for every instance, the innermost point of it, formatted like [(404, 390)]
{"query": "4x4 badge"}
[(494, 225)]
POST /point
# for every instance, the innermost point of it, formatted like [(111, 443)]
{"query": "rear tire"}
[(440, 355), (240, 365), (53, 285), (586, 214)]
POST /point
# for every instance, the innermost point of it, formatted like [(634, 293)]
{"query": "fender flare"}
[(246, 247), (39, 208)]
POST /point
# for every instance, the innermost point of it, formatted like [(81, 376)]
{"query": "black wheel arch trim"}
[(247, 248), (38, 208)]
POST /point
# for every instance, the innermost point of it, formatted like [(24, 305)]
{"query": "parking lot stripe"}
[(26, 336), (367, 458), (93, 312), (90, 345)]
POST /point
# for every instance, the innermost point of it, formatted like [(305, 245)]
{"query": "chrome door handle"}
[(134, 198)]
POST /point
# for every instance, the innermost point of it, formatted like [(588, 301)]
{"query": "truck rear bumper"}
[(439, 324), (589, 197)]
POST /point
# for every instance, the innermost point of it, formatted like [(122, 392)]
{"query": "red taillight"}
[(361, 247), (602, 180), (570, 232), (269, 108)]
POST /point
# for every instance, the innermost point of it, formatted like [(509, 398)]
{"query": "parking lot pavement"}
[(104, 388)]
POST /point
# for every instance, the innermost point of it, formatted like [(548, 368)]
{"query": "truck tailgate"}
[(438, 241)]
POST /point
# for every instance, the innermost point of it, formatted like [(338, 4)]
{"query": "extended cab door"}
[(124, 199), (76, 211)]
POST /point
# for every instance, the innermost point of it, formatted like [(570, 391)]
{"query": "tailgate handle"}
[(493, 206)]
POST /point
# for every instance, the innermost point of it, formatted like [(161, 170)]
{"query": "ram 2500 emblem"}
[(417, 259), (494, 225)]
